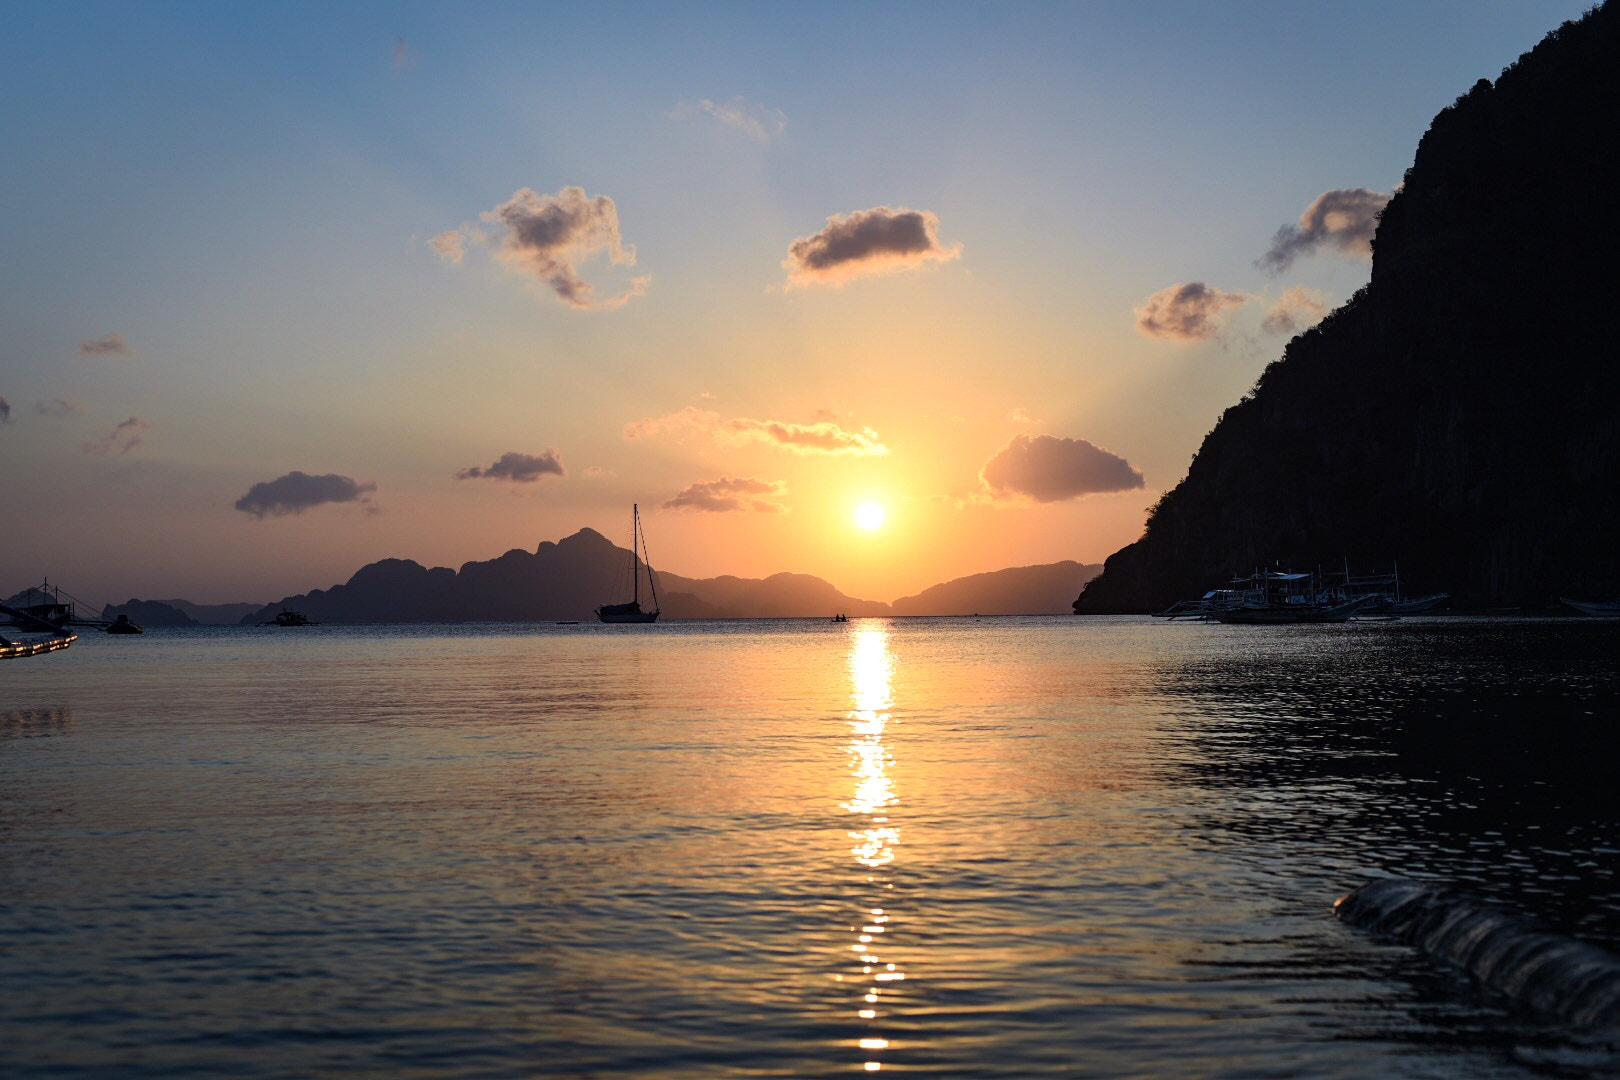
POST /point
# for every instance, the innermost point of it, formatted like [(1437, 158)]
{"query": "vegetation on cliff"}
[(1459, 413)]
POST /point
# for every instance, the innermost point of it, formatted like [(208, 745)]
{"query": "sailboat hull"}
[(627, 616)]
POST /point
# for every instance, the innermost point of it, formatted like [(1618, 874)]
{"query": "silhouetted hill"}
[(1019, 590), (564, 580), (1459, 413), (148, 613), (164, 612)]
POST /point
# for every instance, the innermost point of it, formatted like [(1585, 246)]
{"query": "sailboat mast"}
[(635, 574)]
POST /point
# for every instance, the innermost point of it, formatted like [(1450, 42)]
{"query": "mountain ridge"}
[(567, 579)]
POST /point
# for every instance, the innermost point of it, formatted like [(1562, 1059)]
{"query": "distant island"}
[(568, 579), (1461, 413)]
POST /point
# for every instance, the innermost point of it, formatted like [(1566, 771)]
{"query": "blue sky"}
[(247, 197)]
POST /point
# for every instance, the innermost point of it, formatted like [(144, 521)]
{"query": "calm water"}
[(1009, 847)]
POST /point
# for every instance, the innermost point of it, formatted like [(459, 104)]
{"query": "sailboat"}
[(631, 612)]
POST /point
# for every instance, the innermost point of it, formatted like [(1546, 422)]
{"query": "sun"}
[(869, 516)]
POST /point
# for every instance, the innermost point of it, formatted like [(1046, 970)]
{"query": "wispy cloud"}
[(1186, 312), (58, 407), (1296, 309), (821, 437), (876, 241), (296, 492), (517, 468), (729, 494), (106, 345), (1021, 416), (5, 410), (758, 122), (123, 438), (545, 238), (1047, 468), (1341, 220)]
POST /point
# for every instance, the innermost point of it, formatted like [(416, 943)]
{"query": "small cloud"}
[(594, 471), (1189, 312), (756, 121), (58, 407), (1296, 309), (729, 494), (1047, 468), (821, 437), (545, 237), (706, 396), (403, 55), (1020, 416), (1343, 220), (123, 438), (297, 492), (876, 241), (451, 246), (5, 410), (106, 345), (516, 467)]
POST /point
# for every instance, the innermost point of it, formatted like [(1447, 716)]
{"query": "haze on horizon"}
[(288, 289)]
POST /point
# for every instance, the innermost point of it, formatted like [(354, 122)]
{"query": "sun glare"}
[(869, 516)]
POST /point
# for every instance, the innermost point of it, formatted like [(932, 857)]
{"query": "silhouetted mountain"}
[(148, 613), (564, 580), (775, 597), (163, 612), (1459, 413), (1019, 590)]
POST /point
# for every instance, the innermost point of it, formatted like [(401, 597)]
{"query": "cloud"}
[(545, 237), (58, 407), (1021, 416), (451, 246), (876, 241), (1189, 312), (1047, 468), (404, 56), (297, 492), (1343, 219), (106, 345), (821, 437), (756, 121), (5, 410), (729, 494), (123, 438), (516, 467), (1296, 309)]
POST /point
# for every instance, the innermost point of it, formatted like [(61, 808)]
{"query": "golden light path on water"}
[(871, 671)]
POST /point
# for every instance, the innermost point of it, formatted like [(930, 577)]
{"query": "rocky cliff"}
[(1460, 413)]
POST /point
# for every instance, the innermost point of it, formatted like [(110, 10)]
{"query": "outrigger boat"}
[(631, 612), (57, 637)]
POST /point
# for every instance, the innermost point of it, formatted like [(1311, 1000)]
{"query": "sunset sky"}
[(288, 288)]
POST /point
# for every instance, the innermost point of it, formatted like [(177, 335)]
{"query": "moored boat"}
[(1592, 607), (631, 612), (56, 637)]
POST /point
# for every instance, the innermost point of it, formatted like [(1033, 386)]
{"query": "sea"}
[(978, 847)]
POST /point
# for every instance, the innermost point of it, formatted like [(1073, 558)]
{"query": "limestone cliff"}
[(1460, 413)]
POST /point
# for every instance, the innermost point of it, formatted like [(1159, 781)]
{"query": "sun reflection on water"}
[(871, 670)]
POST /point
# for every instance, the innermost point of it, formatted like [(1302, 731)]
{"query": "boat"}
[(122, 625), (631, 612), (56, 637), (1384, 590), (1592, 607), (1275, 597), (287, 617)]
